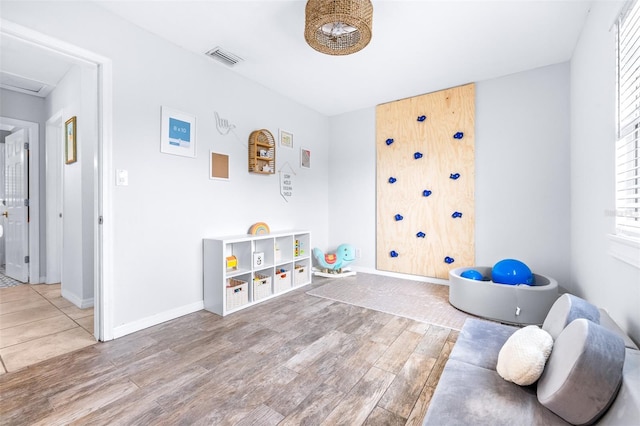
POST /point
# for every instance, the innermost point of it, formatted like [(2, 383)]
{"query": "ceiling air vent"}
[(225, 57)]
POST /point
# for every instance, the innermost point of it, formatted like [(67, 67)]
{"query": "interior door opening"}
[(20, 200), (98, 167), (16, 214)]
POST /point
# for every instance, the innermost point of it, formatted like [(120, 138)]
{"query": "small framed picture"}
[(286, 139), (70, 144), (219, 166), (178, 133), (305, 158)]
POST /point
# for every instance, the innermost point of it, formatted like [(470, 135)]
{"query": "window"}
[(628, 143)]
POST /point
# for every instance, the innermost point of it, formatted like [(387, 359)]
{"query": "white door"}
[(17, 213)]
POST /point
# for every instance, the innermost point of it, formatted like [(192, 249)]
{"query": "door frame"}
[(103, 170), (32, 130)]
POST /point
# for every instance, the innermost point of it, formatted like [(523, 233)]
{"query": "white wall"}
[(170, 204), (522, 170), (76, 95), (66, 98), (596, 275), (522, 174), (352, 184)]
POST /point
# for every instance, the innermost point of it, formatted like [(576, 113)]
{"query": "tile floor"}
[(5, 280), (37, 323)]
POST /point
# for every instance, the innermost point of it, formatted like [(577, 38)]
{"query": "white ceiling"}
[(417, 46), (29, 67)]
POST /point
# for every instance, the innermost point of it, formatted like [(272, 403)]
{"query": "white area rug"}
[(420, 301)]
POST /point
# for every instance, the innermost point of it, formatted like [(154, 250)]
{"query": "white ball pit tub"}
[(512, 304)]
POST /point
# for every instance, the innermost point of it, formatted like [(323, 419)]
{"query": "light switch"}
[(122, 177)]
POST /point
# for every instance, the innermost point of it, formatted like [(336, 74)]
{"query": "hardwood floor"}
[(292, 360)]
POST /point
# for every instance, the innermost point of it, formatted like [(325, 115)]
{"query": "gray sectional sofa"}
[(591, 377)]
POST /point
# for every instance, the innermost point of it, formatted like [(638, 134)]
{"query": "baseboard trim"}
[(156, 319), (399, 275), (80, 303)]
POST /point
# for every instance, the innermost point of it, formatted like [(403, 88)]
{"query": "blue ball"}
[(512, 272), (472, 274)]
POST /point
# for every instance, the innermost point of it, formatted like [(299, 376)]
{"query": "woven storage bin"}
[(300, 276), (237, 293), (261, 287), (282, 281)]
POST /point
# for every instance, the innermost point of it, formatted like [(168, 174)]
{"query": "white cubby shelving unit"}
[(262, 267)]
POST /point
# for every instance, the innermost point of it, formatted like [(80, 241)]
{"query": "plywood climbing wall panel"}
[(425, 183)]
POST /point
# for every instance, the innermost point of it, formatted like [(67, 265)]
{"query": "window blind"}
[(628, 143)]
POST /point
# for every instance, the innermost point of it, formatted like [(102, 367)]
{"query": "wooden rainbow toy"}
[(259, 228)]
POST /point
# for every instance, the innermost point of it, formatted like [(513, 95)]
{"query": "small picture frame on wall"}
[(178, 133), (286, 139), (70, 144), (219, 166), (305, 158)]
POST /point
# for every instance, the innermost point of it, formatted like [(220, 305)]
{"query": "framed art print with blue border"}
[(178, 134)]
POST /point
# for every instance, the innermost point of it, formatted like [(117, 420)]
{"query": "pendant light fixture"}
[(338, 27)]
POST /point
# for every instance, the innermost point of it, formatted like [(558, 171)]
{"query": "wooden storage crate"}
[(282, 281), (237, 293), (300, 275), (261, 287)]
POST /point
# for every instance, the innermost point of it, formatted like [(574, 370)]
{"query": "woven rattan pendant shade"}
[(338, 27)]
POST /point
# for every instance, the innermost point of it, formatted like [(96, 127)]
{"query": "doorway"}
[(100, 159), (23, 238), (38, 323)]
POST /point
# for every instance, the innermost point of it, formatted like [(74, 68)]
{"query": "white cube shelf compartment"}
[(237, 292), (282, 280), (300, 275), (281, 251), (261, 287)]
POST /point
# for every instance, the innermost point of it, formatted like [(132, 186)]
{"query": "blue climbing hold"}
[(458, 135), (456, 215), (393, 253), (449, 260), (422, 118), (389, 141), (454, 176), (417, 155), (399, 217), (392, 179), (421, 234), (426, 193)]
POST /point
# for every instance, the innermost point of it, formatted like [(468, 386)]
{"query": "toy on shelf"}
[(232, 263), (334, 264), (259, 228)]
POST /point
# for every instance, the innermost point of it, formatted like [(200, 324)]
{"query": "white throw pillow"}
[(523, 356)]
